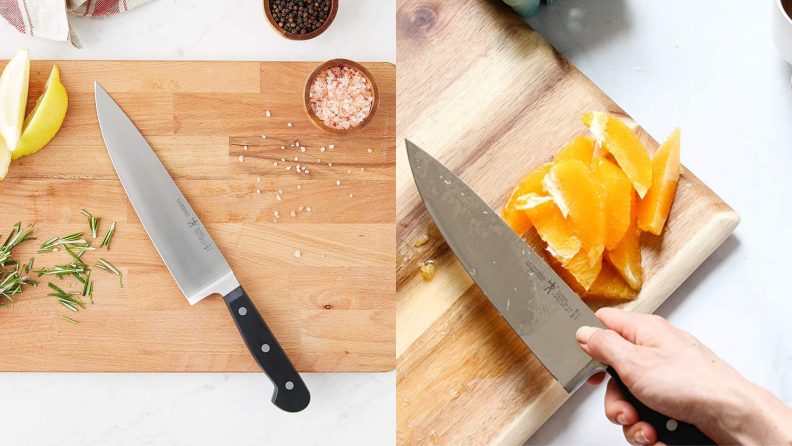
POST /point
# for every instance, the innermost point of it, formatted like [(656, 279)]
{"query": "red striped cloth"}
[(49, 18)]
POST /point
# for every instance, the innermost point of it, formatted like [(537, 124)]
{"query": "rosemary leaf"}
[(112, 269), (108, 236), (70, 320), (67, 306)]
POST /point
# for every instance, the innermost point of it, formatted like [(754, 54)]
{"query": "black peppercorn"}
[(300, 16)]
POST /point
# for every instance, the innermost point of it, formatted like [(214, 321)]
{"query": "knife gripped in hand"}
[(187, 249), (537, 304)]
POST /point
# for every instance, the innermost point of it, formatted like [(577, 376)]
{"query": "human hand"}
[(670, 371)]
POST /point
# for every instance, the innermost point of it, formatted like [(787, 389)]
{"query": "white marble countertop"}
[(192, 409), (710, 67)]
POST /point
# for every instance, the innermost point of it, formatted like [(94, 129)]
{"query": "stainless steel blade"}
[(179, 236), (536, 303)]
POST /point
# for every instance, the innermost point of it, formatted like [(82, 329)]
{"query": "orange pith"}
[(654, 208), (626, 256), (618, 201), (580, 148), (625, 146), (551, 226), (581, 197), (531, 183)]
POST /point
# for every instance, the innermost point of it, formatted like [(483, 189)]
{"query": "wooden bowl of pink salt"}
[(341, 96)]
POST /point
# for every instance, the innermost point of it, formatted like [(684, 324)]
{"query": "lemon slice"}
[(5, 158), (13, 97), (45, 119)]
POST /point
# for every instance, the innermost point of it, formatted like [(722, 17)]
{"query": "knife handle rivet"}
[(671, 425), (242, 311), (265, 348), (289, 385)]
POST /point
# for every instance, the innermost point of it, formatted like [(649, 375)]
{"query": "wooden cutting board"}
[(486, 95), (332, 309)]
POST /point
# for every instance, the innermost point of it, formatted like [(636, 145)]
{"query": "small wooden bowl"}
[(341, 63), (310, 35)]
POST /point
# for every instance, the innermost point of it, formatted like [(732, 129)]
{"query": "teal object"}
[(527, 8)]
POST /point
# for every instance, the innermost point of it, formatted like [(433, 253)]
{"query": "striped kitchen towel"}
[(49, 18)]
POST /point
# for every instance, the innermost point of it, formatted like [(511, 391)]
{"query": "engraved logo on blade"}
[(192, 222)]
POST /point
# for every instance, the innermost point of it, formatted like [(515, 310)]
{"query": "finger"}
[(606, 346), (617, 409), (629, 325), (596, 379), (640, 433)]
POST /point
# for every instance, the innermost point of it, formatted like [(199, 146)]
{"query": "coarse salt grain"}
[(350, 195), (296, 159), (264, 136), (297, 254), (330, 164), (293, 214), (268, 114), (288, 168), (299, 187), (283, 159), (241, 158), (318, 160), (274, 220), (362, 169), (341, 97), (284, 148), (338, 182), (306, 171), (245, 147), (289, 124), (308, 209), (349, 171), (300, 208), (280, 191), (332, 146), (369, 150), (258, 179), (275, 163), (322, 149), (278, 197), (296, 144), (258, 191)]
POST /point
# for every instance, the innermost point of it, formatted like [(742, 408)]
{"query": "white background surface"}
[(193, 409), (710, 67)]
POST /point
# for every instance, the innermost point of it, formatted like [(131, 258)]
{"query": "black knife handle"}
[(290, 392), (669, 431)]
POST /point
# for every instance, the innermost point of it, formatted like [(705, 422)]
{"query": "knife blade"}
[(537, 304), (187, 249)]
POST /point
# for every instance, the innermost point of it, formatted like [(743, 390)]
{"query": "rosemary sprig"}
[(70, 320), (111, 269), (49, 244), (29, 266), (16, 237), (61, 271), (93, 222), (12, 283), (86, 283), (108, 236)]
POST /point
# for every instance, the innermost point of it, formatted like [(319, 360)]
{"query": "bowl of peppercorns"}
[(300, 19)]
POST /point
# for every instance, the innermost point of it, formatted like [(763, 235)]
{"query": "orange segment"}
[(619, 140), (577, 273), (610, 285), (654, 208), (551, 225), (531, 183), (626, 256), (618, 201), (581, 199), (580, 148)]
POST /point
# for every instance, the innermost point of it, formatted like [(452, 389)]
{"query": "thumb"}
[(605, 346)]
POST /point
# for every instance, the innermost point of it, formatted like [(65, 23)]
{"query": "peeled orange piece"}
[(580, 148), (581, 199), (654, 208), (531, 183), (625, 146), (610, 285), (626, 256), (551, 226), (618, 201)]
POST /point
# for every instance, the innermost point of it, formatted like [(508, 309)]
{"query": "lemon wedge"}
[(45, 119), (5, 159), (13, 97)]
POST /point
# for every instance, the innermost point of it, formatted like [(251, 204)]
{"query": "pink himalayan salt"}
[(341, 97)]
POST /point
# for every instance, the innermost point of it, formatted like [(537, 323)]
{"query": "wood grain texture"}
[(332, 309), (490, 105)]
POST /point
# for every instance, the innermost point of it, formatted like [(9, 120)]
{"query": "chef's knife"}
[(187, 249), (537, 304)]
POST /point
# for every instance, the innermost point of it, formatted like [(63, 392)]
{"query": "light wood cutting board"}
[(488, 97), (332, 309)]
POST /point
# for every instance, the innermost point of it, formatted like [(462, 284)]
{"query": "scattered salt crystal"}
[(274, 220), (369, 150), (245, 147), (283, 147), (258, 191), (258, 179), (338, 182), (268, 114), (299, 187), (288, 168), (322, 149), (318, 160), (264, 136), (54, 249), (275, 163), (306, 171), (300, 208), (322, 255), (297, 254), (296, 144), (276, 213), (283, 159), (241, 158), (293, 214), (290, 124), (349, 171), (350, 195), (302, 149), (362, 169), (308, 209), (296, 159), (332, 146), (280, 191), (278, 197), (330, 164), (298, 166)]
